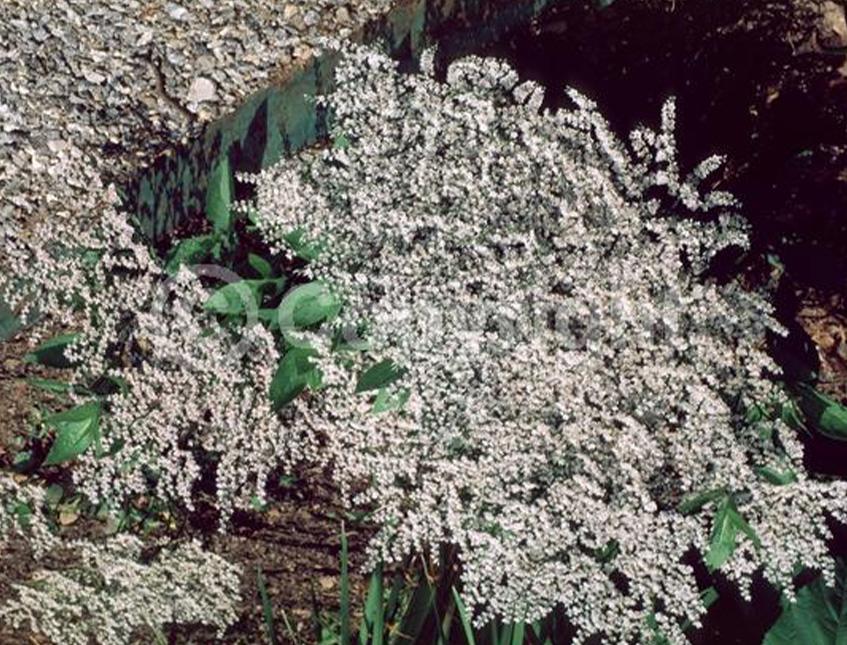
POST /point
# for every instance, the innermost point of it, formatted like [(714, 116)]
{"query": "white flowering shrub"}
[(21, 515), (164, 388), (111, 596), (552, 382)]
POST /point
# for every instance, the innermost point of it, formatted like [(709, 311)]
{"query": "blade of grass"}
[(416, 615), (464, 618), (267, 609), (518, 633), (344, 609), (505, 635), (289, 628), (373, 625), (440, 640)]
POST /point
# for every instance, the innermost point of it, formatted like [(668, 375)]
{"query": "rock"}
[(342, 16), (177, 12), (202, 89), (92, 77), (832, 28)]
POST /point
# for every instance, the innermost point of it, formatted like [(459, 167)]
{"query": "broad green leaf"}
[(219, 197), (294, 373), (780, 478), (302, 246), (727, 524), (791, 416), (388, 401), (9, 323), (191, 250), (817, 617), (307, 305), (76, 430), (377, 376), (260, 265), (694, 503), (235, 298), (829, 416), (52, 352)]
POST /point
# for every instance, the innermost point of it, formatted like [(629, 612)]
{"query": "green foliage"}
[(818, 617), (694, 503), (307, 305), (344, 609), (378, 376), (726, 526), (825, 414), (778, 477), (52, 352), (304, 249), (260, 265), (9, 323), (372, 628), (267, 608), (192, 250), (294, 373), (76, 429), (219, 197), (50, 385)]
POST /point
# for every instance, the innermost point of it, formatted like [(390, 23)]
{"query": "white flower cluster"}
[(572, 375), (110, 596), (21, 515), (184, 384)]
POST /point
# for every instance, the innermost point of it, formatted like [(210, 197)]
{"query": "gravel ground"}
[(92, 87)]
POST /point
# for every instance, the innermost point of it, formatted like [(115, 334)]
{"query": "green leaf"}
[(416, 614), (694, 503), (608, 552), (373, 625), (727, 524), (76, 430), (344, 601), (464, 618), (307, 305), (779, 478), (9, 323), (828, 416), (267, 608), (52, 352), (50, 385), (235, 298), (818, 617), (388, 401), (341, 142), (260, 265), (191, 250), (219, 197), (53, 495), (294, 373), (377, 376), (301, 246)]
